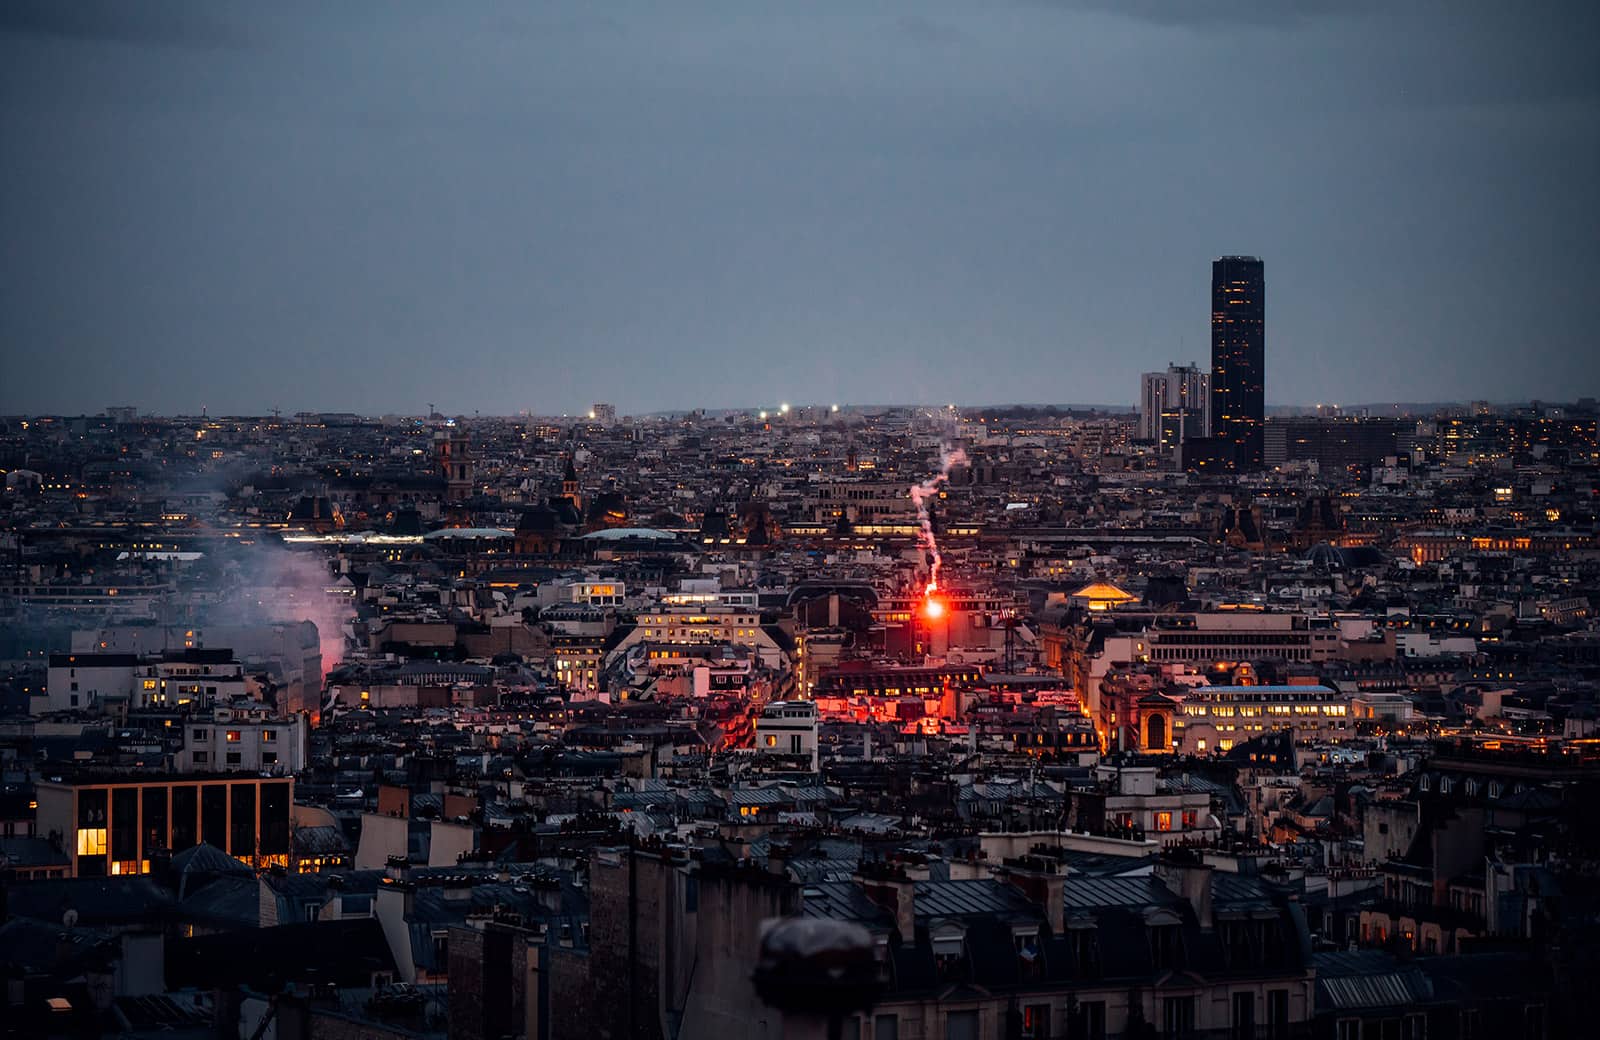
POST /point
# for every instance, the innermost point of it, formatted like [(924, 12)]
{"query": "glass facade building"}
[(1238, 357)]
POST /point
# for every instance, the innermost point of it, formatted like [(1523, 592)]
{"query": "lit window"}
[(233, 736), (92, 842), (1163, 821)]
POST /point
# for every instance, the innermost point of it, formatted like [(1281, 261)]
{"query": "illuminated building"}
[(1174, 406), (859, 501), (243, 738), (894, 694), (1102, 596), (1133, 715), (1137, 800), (788, 728), (699, 626), (1431, 546), (576, 660), (971, 622), (1215, 718), (1238, 356), (1086, 651), (174, 678), (1336, 444), (112, 824), (597, 593)]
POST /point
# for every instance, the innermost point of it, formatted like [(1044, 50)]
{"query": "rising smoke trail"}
[(949, 458)]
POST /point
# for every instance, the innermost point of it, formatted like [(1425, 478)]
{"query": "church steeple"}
[(569, 485)]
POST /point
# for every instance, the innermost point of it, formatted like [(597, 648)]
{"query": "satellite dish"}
[(69, 919)]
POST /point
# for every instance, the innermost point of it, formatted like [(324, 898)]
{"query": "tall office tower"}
[(1174, 406), (1238, 356), (1152, 400)]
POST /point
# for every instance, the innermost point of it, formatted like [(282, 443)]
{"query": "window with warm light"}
[(92, 842), (233, 736)]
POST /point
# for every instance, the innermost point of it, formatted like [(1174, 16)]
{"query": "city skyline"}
[(208, 204), (1330, 409), (502, 536)]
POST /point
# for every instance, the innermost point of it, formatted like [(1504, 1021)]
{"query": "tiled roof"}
[(982, 896)]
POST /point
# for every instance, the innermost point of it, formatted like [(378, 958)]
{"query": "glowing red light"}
[(933, 608)]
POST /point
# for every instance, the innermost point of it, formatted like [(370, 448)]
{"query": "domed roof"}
[(1104, 592), (617, 534)]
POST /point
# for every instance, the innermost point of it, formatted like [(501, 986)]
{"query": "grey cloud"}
[(715, 203), (157, 23), (1221, 15)]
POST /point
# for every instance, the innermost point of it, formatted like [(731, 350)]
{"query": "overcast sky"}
[(502, 206)]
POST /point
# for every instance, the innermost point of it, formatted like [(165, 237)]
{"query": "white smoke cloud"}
[(921, 494), (278, 584)]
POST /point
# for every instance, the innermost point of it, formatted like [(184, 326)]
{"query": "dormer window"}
[(1166, 940), (1236, 943), (949, 948), (1082, 938), (1029, 951)]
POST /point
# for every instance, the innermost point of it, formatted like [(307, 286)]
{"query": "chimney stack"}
[(1043, 880), (778, 859), (1187, 876), (888, 886)]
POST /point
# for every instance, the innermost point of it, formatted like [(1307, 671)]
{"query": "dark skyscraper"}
[(1238, 356)]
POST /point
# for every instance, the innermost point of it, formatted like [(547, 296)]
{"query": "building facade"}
[(244, 738), (1215, 718), (104, 682), (1174, 406), (110, 825), (1238, 356)]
